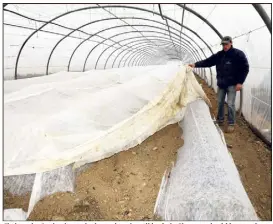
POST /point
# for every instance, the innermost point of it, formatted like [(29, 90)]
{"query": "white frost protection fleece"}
[(204, 183), (16, 214), (61, 119)]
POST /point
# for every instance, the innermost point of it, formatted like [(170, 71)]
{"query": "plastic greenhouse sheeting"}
[(88, 117), (137, 34)]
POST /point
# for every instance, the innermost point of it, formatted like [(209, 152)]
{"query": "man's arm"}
[(209, 62), (243, 67)]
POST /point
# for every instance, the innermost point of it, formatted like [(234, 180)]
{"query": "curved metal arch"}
[(139, 18), (95, 35), (176, 45), (145, 44), (141, 64), (155, 36), (141, 60), (156, 32), (155, 55), (95, 7), (167, 40), (124, 62), (133, 37), (147, 61), (144, 57), (171, 53), (110, 47), (176, 34), (158, 36), (166, 17), (137, 57), (140, 47), (89, 23), (202, 18), (150, 31), (136, 53), (42, 21), (119, 48), (264, 16), (106, 48), (105, 64), (125, 55), (114, 44), (154, 59), (120, 59), (143, 41), (170, 43)]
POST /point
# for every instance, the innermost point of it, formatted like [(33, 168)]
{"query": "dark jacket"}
[(232, 67)]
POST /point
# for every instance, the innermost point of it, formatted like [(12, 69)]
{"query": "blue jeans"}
[(231, 96)]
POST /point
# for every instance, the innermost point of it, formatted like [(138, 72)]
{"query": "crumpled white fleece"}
[(167, 108)]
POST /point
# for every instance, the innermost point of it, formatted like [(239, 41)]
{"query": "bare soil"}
[(122, 187), (125, 186)]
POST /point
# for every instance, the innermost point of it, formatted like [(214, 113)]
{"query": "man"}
[(232, 68)]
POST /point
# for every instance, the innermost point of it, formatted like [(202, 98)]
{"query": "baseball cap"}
[(226, 40)]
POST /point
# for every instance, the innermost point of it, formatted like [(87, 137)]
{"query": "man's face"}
[(227, 46)]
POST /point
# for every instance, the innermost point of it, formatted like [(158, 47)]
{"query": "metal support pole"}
[(264, 16)]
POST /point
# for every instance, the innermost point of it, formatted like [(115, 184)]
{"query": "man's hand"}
[(192, 65), (239, 87)]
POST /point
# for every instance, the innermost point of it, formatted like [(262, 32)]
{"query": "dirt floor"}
[(122, 187), (125, 186)]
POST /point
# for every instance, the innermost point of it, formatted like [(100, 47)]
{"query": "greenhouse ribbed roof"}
[(79, 37), (84, 83)]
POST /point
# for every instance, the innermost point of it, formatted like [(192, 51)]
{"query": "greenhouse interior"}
[(115, 112)]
